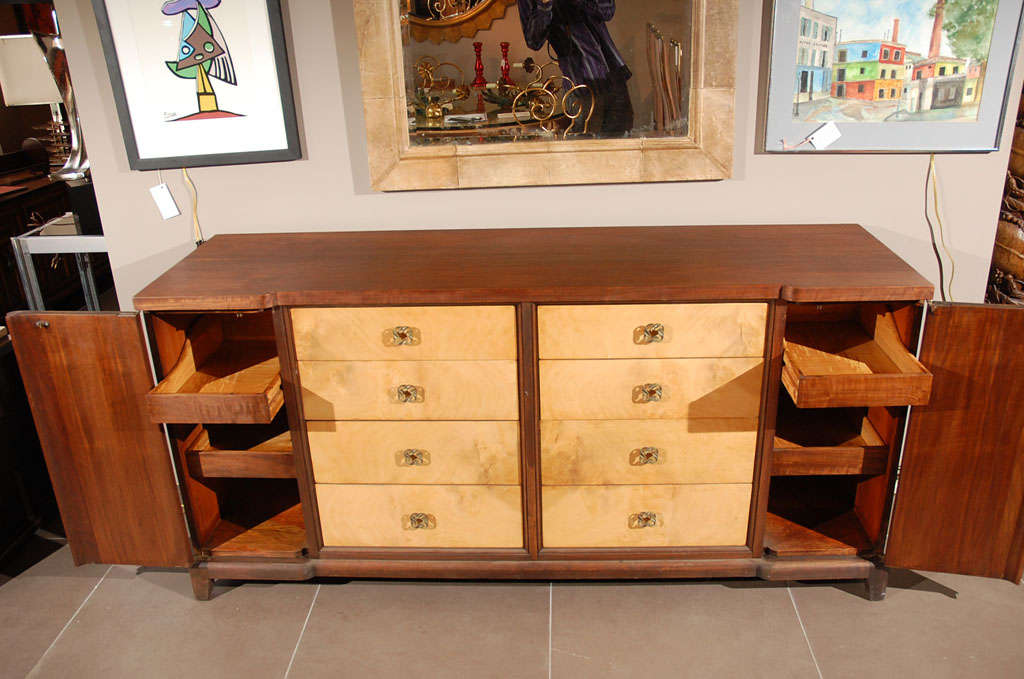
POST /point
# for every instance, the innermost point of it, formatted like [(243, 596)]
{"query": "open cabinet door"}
[(87, 375), (959, 505)]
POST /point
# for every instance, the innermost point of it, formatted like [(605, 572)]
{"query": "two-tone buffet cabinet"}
[(778, 402)]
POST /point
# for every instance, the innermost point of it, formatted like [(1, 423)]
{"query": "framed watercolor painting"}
[(199, 82), (918, 76)]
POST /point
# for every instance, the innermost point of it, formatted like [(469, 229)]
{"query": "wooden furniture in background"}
[(537, 403)]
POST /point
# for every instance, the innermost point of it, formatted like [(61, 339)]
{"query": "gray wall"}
[(329, 189)]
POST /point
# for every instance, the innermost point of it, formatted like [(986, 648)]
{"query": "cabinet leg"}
[(877, 582), (202, 583)]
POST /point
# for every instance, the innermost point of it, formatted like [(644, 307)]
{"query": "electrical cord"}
[(197, 230), (942, 228), (931, 230)]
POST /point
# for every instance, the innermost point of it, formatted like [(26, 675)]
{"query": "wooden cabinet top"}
[(800, 263)]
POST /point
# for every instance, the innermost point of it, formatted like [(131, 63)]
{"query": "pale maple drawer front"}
[(651, 330), (421, 516), (405, 333), (650, 389), (708, 515), (647, 451), (409, 390), (485, 453)]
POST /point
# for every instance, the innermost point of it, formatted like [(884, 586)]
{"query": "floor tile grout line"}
[(551, 597), (70, 620), (803, 629), (302, 631)]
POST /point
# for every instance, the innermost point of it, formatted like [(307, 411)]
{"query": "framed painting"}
[(199, 82), (482, 93), (917, 76)]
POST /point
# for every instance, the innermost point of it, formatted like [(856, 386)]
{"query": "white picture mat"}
[(905, 136), (145, 38)]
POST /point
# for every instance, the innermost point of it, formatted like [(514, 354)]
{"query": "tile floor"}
[(95, 621)]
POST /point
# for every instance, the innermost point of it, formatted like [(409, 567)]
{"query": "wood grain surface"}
[(498, 266)]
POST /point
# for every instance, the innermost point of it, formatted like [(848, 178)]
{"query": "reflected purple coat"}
[(577, 32)]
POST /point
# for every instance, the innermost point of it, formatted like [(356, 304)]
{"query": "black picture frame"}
[(292, 151)]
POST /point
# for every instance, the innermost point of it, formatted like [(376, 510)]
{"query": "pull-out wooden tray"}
[(219, 379), (251, 451), (852, 363), (827, 441)]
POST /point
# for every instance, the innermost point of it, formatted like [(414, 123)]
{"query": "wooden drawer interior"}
[(227, 372), (241, 451), (851, 355), (582, 331), (449, 516), (705, 515)]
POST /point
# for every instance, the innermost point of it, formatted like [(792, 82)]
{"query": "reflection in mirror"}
[(550, 70)]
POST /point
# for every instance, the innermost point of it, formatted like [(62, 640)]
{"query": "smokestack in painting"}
[(940, 18), (895, 30)]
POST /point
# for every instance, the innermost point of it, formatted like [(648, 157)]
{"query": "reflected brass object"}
[(421, 521), (649, 334), (645, 455), (403, 336), (409, 393), (413, 457), (540, 99), (643, 520), (647, 393), (452, 20)]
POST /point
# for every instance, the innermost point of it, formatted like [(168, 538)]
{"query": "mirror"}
[(440, 21)]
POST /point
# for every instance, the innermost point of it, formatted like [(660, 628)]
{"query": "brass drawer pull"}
[(422, 521), (643, 520), (409, 393), (649, 334), (403, 336), (645, 455), (413, 457), (647, 393)]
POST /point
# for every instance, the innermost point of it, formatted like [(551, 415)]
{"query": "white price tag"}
[(164, 201), (824, 136)]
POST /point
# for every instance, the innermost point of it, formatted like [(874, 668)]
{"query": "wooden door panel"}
[(960, 497), (87, 375)]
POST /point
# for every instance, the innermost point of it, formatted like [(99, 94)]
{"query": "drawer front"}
[(647, 452), (652, 330), (421, 516), (405, 333), (409, 390), (650, 389), (708, 515), (484, 453)]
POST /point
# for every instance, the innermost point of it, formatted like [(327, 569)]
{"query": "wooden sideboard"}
[(671, 402)]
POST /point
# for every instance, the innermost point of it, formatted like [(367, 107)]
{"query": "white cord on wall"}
[(942, 228), (197, 230)]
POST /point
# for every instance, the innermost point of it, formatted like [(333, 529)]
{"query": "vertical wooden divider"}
[(529, 423), (775, 335), (297, 426)]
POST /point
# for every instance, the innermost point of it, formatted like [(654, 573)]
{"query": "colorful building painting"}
[(815, 52), (871, 70)]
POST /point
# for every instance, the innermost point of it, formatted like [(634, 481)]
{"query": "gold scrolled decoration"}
[(452, 20)]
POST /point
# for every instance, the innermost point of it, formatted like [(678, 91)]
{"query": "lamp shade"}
[(25, 79)]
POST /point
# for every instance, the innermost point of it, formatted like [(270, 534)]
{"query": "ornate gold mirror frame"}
[(460, 26), (395, 165)]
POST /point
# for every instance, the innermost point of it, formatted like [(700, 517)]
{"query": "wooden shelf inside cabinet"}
[(219, 379), (281, 536), (842, 536), (838, 364), (225, 451), (820, 442)]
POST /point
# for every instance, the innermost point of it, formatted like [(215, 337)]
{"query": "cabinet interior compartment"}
[(816, 516), (241, 451), (830, 441), (852, 355), (226, 369), (255, 518)]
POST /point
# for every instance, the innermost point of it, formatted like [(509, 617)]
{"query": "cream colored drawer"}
[(405, 333), (409, 390), (421, 516), (485, 453), (652, 330), (650, 389), (708, 515), (647, 451)]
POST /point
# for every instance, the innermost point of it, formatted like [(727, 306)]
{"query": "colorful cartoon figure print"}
[(202, 55)]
